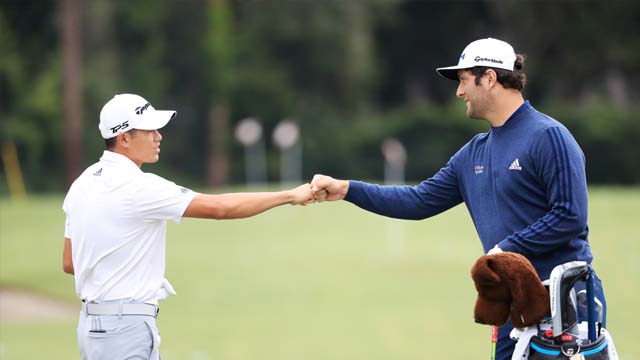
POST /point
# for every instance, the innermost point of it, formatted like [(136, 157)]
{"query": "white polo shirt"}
[(116, 220)]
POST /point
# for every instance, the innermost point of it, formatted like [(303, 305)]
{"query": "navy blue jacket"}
[(523, 183)]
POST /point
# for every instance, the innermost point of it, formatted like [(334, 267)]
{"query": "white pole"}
[(286, 136), (395, 158), (249, 134)]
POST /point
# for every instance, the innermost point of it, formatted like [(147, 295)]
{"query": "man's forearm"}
[(236, 205), (67, 259)]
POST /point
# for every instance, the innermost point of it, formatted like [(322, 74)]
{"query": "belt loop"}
[(120, 308)]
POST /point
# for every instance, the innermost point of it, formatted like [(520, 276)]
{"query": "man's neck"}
[(505, 104)]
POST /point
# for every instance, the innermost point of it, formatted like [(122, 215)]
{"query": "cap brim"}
[(450, 72), (155, 120)]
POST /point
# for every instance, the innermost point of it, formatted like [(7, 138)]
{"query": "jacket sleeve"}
[(421, 201), (561, 167)]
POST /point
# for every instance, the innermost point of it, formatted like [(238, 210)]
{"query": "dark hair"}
[(515, 79), (110, 143)]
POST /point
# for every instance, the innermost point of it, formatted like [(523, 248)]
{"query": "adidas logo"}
[(98, 173), (515, 165)]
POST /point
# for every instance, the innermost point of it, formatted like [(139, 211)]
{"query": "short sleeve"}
[(160, 199), (67, 228), (65, 208)]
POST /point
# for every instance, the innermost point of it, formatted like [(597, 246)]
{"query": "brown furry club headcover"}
[(508, 285)]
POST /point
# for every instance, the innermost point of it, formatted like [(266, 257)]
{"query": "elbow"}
[(217, 213), (574, 224), (580, 226), (579, 221), (224, 210), (582, 223)]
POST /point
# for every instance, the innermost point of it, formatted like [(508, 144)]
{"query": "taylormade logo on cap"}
[(129, 111), (495, 61), (485, 52)]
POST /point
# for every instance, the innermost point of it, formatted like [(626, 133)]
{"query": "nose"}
[(158, 136), (459, 90)]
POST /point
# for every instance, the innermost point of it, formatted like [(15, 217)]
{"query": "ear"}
[(494, 298), (124, 139), (482, 272), (491, 76)]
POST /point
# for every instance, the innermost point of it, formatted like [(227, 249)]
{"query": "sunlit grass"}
[(327, 281)]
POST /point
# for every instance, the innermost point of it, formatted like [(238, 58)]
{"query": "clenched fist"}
[(326, 188), (302, 195)]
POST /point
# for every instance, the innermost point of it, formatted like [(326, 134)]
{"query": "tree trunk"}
[(72, 87), (218, 138)]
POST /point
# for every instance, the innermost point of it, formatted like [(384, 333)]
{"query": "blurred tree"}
[(70, 30), (584, 49), (102, 69), (30, 88), (219, 46), (315, 63), (351, 72)]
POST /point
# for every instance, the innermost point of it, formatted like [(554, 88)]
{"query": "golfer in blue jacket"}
[(523, 181)]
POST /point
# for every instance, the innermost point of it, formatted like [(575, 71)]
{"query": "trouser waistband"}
[(117, 309)]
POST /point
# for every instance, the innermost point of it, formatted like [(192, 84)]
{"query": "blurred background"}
[(269, 93), (348, 73)]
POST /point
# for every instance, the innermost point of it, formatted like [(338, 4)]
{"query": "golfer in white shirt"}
[(115, 231)]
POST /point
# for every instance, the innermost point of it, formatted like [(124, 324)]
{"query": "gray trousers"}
[(113, 337)]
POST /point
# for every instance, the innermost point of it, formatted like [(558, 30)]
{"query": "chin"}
[(473, 115)]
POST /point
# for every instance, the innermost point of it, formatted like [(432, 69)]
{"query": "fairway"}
[(326, 281)]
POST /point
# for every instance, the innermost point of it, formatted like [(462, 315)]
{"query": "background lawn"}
[(328, 281)]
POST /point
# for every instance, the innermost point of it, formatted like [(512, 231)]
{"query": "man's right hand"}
[(326, 188)]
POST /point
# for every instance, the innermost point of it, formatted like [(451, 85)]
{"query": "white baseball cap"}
[(484, 52), (128, 111)]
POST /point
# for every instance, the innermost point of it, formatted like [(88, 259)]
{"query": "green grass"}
[(328, 281)]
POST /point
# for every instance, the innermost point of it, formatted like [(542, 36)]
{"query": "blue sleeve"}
[(429, 198), (561, 166)]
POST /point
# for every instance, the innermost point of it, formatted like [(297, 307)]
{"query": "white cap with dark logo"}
[(484, 52), (128, 111)]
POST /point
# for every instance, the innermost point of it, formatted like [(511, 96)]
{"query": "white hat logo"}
[(141, 109)]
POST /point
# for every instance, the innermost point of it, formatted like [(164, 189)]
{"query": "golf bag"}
[(562, 336)]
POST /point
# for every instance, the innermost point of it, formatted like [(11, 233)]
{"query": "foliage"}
[(352, 73)]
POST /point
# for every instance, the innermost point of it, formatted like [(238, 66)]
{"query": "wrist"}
[(344, 188), (290, 197)]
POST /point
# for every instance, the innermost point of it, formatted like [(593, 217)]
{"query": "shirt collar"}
[(524, 107), (111, 157)]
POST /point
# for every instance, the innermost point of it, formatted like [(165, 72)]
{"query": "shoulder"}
[(543, 131), (154, 186), (539, 122), (81, 184), (86, 175), (545, 126), (554, 140), (150, 179)]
